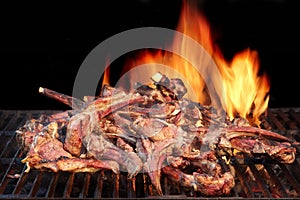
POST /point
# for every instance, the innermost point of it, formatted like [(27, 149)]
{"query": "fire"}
[(240, 90), (246, 92)]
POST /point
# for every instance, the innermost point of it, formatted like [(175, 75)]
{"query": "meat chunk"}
[(47, 152)]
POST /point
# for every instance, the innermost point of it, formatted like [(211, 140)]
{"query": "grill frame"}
[(16, 184)]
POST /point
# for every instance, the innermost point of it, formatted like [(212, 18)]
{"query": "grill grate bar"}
[(290, 124), (9, 145), (246, 187), (116, 186), (131, 188), (69, 186), (166, 186), (85, 189), (18, 119), (5, 180), (291, 179), (146, 191), (36, 184), (258, 179), (8, 134), (61, 186), (105, 184), (287, 122), (99, 186), (294, 169), (276, 186), (6, 119), (52, 185), (276, 123), (21, 182), (295, 116), (139, 186)]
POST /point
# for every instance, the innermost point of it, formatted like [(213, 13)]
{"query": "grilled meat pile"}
[(153, 130)]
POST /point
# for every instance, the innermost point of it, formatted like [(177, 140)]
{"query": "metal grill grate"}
[(255, 178)]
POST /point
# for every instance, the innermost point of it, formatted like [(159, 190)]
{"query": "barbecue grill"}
[(259, 177)]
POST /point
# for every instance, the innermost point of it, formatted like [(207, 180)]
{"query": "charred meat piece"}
[(173, 88), (155, 159), (47, 152), (252, 142), (152, 129), (78, 127), (209, 185), (87, 121), (101, 149)]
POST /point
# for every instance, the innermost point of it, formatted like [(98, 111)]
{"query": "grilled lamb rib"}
[(47, 152), (154, 128)]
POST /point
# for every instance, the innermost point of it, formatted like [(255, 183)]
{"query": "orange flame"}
[(246, 92), (106, 77), (241, 91)]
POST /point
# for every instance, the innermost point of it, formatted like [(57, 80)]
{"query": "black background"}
[(44, 44)]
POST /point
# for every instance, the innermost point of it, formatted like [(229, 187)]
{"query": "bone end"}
[(157, 77), (41, 90)]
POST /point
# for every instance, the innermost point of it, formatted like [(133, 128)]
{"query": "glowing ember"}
[(241, 91)]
